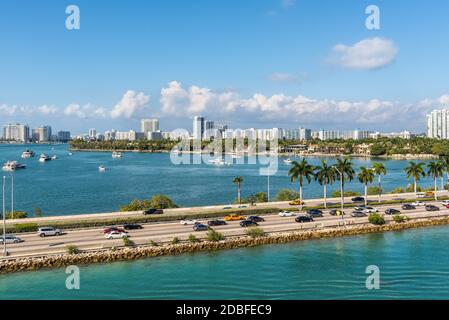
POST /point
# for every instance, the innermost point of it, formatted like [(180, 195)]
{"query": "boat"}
[(116, 154), (54, 157), (219, 162), (44, 158), (13, 165), (27, 154), (288, 161), (102, 168), (70, 153)]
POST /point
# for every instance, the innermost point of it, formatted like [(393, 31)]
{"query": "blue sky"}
[(249, 63)]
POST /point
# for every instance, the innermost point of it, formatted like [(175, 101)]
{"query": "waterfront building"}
[(16, 132), (63, 136), (42, 134), (92, 134), (149, 125), (154, 135), (438, 124), (130, 135), (305, 134), (198, 127)]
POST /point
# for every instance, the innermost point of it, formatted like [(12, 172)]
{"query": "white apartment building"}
[(198, 127), (16, 132), (438, 124)]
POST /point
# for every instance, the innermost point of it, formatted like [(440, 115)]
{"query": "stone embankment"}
[(133, 253)]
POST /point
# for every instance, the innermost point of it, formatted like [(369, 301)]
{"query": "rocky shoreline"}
[(133, 253)]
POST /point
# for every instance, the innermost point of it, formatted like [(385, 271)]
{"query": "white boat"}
[(288, 161), (44, 158), (70, 154), (102, 168), (54, 158), (219, 162), (13, 165), (27, 154), (116, 154)]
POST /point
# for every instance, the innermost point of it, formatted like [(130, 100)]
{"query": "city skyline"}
[(349, 76)]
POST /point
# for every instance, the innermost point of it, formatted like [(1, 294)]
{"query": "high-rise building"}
[(149, 125), (438, 124), (305, 134), (63, 136), (198, 127), (42, 134), (92, 134), (17, 132)]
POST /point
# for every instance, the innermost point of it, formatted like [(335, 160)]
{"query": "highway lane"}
[(93, 238)]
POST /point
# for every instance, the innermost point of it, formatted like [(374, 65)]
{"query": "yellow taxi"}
[(233, 217), (296, 202)]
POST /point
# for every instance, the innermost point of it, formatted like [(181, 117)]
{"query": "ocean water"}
[(74, 185), (413, 264)]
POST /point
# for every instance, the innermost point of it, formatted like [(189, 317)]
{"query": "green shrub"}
[(37, 212), (287, 195), (192, 238), (255, 232), (373, 190), (348, 193), (71, 249), (397, 190), (16, 215), (25, 227), (376, 218), (259, 197), (153, 243), (158, 201), (398, 218), (410, 188), (128, 242), (213, 235), (175, 240)]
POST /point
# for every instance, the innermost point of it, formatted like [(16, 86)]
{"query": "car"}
[(296, 202), (303, 219), (110, 229), (370, 210), (315, 213), (200, 227), (153, 211), (188, 221), (418, 203), (445, 203), (10, 238), (247, 223), (336, 212), (116, 235), (286, 214), (420, 195), (358, 199), (233, 217), (408, 206), (216, 223), (431, 207), (430, 194), (48, 231), (132, 226), (255, 219), (227, 207), (358, 214), (398, 199), (242, 206), (392, 211)]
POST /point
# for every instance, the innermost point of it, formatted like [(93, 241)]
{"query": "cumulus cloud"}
[(46, 110), (130, 103), (367, 54)]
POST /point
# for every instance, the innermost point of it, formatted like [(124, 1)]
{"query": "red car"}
[(108, 230)]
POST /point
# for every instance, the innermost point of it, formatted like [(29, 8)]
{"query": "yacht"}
[(102, 168), (44, 158), (13, 165), (54, 157), (27, 154), (70, 153), (219, 162), (288, 161), (116, 154)]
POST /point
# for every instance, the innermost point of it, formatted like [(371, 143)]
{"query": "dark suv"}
[(301, 219), (153, 211)]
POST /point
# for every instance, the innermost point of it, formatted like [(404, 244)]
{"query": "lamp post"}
[(341, 191), (4, 218), (268, 193)]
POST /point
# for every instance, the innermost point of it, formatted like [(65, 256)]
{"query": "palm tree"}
[(345, 171), (445, 163), (416, 171), (299, 171), (435, 170), (366, 175), (238, 181), (325, 175), (379, 170)]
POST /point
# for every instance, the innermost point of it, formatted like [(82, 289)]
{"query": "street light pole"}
[(341, 191), (268, 195), (4, 218), (12, 196)]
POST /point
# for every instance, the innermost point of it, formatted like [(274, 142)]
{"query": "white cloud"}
[(367, 54), (281, 77), (177, 100), (130, 103), (47, 110)]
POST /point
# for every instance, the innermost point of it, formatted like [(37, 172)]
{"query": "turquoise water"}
[(413, 264), (73, 184)]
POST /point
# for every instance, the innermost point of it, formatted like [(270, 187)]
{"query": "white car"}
[(445, 202), (370, 210), (116, 235), (10, 238), (286, 214), (420, 195), (188, 221), (418, 203)]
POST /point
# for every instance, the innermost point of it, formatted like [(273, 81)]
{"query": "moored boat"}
[(27, 154), (44, 158), (116, 154), (12, 166)]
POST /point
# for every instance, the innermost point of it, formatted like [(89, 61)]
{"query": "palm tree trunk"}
[(380, 188), (325, 202), (442, 182), (366, 194), (435, 192), (238, 193), (414, 184), (300, 196)]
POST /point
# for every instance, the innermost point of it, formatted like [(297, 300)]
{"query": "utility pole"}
[(4, 218), (12, 196), (268, 195)]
